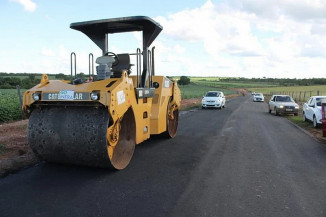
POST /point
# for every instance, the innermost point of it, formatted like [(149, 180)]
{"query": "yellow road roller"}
[(98, 121)]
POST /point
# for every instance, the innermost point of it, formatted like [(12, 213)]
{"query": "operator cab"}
[(111, 65)]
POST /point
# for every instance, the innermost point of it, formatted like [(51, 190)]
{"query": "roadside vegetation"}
[(191, 88), (194, 90), (298, 93), (308, 126), (9, 105)]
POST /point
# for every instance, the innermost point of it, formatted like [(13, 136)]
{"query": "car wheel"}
[(276, 113), (304, 119), (269, 110), (203, 107), (315, 122)]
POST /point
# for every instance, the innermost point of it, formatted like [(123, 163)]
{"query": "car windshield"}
[(213, 94), (319, 101), (283, 99), (258, 94)]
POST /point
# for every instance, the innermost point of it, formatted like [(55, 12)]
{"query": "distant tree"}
[(5, 86), (61, 76), (26, 83), (184, 80), (82, 75), (15, 81), (31, 77)]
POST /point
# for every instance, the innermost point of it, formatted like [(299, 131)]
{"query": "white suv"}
[(312, 109)]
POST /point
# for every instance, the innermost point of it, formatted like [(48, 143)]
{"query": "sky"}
[(225, 38)]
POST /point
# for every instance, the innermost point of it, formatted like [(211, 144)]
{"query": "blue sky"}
[(247, 38)]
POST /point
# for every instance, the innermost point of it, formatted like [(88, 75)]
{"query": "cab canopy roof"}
[(97, 30)]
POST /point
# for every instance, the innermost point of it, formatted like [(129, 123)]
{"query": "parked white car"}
[(258, 97), (214, 99), (283, 104), (312, 110)]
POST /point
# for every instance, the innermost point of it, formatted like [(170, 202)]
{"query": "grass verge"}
[(189, 107), (308, 126)]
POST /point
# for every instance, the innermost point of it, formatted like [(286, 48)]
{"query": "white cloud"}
[(249, 38), (47, 52), (219, 31), (179, 49), (271, 9), (252, 38), (28, 5)]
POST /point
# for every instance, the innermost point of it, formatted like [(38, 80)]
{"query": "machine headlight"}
[(94, 95), (36, 96), (281, 106), (296, 107), (203, 100)]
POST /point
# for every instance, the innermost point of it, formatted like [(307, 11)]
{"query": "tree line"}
[(24, 83), (26, 80)]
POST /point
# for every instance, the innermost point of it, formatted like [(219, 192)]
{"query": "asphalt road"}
[(238, 161)]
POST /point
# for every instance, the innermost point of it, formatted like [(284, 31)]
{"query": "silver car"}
[(283, 104)]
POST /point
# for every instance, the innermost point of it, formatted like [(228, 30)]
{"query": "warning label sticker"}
[(121, 97)]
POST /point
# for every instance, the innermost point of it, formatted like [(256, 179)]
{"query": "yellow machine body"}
[(117, 95), (99, 122), (150, 113)]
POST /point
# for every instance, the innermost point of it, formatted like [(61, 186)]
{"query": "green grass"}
[(321, 88), (9, 105), (308, 126), (197, 91), (216, 79), (233, 85), (298, 120), (201, 85), (294, 91)]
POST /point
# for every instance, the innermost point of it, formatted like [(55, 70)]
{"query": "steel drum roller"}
[(74, 135)]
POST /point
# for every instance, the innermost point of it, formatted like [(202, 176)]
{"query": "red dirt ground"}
[(14, 150)]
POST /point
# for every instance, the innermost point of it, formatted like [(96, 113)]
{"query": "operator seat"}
[(124, 64)]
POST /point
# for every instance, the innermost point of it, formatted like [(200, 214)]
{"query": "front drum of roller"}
[(76, 135)]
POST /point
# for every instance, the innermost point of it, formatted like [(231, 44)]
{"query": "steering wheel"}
[(116, 62)]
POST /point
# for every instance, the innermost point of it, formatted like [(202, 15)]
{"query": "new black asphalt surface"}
[(238, 161)]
